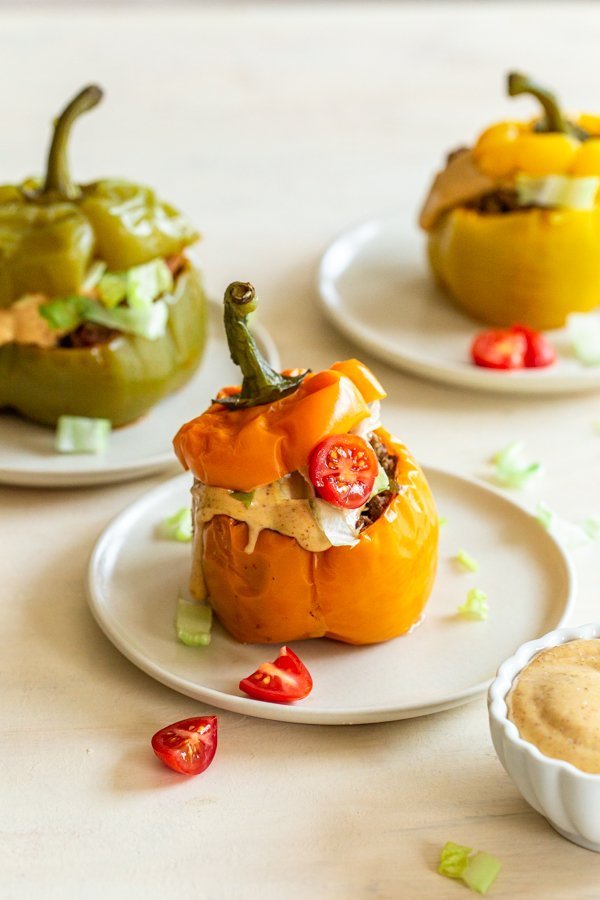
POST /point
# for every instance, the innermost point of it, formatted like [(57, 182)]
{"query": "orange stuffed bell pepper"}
[(310, 520), (513, 223)]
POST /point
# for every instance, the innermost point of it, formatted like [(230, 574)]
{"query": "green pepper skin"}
[(119, 380), (131, 225)]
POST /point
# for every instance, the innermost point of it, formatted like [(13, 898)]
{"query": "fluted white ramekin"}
[(568, 797)]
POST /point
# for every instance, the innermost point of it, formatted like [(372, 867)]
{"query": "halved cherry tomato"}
[(499, 349), (342, 470), (540, 352), (281, 681), (188, 746)]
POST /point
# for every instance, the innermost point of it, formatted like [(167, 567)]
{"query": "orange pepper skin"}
[(365, 594), (369, 386), (246, 448)]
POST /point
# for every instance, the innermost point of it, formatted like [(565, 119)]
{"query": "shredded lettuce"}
[(475, 605), (147, 282), (177, 527), (477, 870), (382, 482), (193, 622), (77, 434), (566, 191), (584, 333), (338, 525), (510, 469), (245, 497), (466, 561), (112, 289), (66, 314)]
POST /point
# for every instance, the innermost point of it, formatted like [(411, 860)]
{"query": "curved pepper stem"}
[(261, 383), (554, 119), (58, 179)]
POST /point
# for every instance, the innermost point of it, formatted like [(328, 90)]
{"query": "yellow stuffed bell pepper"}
[(513, 223)]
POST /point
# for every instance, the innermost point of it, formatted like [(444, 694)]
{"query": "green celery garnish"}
[(193, 622), (475, 605), (244, 497), (77, 434), (510, 470), (178, 527), (467, 562), (477, 870)]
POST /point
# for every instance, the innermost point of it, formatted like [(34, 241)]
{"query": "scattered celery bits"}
[(475, 605), (477, 870), (78, 434), (466, 561), (510, 469), (245, 497), (177, 527), (193, 622)]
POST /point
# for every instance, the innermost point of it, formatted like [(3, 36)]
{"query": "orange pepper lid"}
[(246, 448)]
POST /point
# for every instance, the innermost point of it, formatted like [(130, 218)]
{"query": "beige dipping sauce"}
[(555, 703)]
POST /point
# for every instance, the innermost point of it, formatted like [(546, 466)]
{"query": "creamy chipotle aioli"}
[(555, 703)]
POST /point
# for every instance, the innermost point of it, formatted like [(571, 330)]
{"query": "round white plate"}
[(375, 286), (134, 579), (27, 455)]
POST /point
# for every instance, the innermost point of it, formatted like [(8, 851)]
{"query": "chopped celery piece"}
[(112, 289), (475, 605), (566, 191), (454, 859), (382, 482), (477, 870), (77, 434), (482, 870), (544, 515), (245, 497), (510, 469), (591, 526), (584, 334), (338, 525), (442, 520), (466, 561), (149, 322), (193, 622), (178, 527), (94, 274), (147, 282)]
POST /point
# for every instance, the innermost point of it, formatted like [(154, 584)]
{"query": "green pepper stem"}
[(261, 383), (554, 120), (58, 179)]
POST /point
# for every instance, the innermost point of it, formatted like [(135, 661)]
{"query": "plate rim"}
[(533, 383), (105, 545), (116, 472)]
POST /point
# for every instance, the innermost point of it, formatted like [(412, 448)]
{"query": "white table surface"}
[(274, 126)]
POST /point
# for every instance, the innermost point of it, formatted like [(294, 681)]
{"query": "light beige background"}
[(275, 126)]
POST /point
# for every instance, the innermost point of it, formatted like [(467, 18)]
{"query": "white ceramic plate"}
[(27, 455), (134, 579), (375, 286)]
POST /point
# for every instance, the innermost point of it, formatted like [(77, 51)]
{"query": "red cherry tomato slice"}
[(187, 747), (281, 681), (342, 470), (499, 349), (540, 352)]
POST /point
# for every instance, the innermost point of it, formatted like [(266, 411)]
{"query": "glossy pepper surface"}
[(279, 591), (532, 265), (372, 592), (120, 379), (50, 233)]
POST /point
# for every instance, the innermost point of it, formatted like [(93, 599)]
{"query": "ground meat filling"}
[(380, 502), (88, 335), (504, 200)]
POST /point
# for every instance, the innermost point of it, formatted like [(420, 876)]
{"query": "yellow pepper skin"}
[(533, 267), (530, 265)]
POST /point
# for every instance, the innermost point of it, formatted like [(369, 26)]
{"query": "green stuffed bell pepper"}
[(101, 312)]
